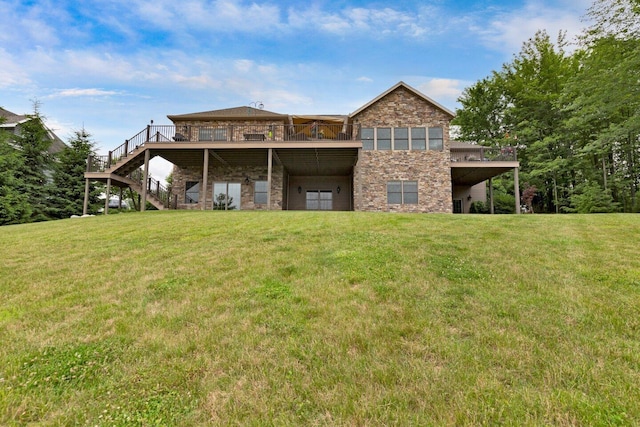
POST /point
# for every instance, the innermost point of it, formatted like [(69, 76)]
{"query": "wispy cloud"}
[(76, 92), (507, 30)]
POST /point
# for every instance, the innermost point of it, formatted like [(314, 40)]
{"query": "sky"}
[(112, 66)]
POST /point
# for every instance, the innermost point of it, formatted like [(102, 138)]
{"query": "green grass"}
[(293, 318)]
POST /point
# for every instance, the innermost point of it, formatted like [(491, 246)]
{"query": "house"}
[(393, 154), (12, 123)]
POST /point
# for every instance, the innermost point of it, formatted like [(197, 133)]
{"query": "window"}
[(319, 200), (205, 134), (192, 192), (384, 138), (402, 192), (367, 139), (400, 138), (418, 139), (435, 139), (220, 134), (212, 134), (260, 193), (226, 196)]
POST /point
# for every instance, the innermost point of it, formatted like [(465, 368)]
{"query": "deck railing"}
[(483, 154), (242, 133)]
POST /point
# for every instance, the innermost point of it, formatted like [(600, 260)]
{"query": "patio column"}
[(85, 205), (205, 176), (491, 209), (269, 167), (516, 189), (108, 196), (145, 180)]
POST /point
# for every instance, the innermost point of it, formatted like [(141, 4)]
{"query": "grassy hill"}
[(293, 318)]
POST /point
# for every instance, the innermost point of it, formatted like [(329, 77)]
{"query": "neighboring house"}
[(12, 123), (391, 155)]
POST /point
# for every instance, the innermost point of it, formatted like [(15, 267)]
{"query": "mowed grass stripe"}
[(299, 318)]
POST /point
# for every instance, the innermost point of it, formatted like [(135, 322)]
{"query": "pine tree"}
[(68, 186)]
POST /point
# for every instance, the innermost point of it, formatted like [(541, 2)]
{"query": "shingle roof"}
[(11, 120), (229, 113)]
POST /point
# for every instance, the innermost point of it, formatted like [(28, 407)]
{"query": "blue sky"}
[(112, 66)]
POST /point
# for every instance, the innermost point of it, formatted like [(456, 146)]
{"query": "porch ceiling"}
[(471, 173), (297, 161)]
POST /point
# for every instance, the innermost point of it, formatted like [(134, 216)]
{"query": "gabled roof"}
[(409, 88), (235, 113), (11, 120)]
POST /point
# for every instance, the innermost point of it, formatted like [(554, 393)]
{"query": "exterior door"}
[(226, 196)]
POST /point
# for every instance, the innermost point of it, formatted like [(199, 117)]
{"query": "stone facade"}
[(429, 168), (229, 174), (403, 108), (363, 190)]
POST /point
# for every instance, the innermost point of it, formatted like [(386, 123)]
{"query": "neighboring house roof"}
[(13, 120), (235, 113), (409, 88), (462, 144)]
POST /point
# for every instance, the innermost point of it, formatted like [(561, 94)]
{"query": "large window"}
[(435, 139), (384, 138), (260, 193), (418, 138), (400, 138), (319, 200), (212, 134), (367, 139), (402, 192), (226, 196), (403, 138), (192, 192)]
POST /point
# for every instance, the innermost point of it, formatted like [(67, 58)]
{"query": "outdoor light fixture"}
[(299, 189), (338, 189), (247, 180), (469, 197)]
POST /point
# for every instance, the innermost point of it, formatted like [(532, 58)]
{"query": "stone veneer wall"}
[(429, 168), (190, 128), (403, 108), (229, 174)]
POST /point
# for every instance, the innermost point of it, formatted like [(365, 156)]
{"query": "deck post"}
[(491, 206), (108, 196), (145, 179), (516, 189), (85, 205), (205, 178), (269, 167)]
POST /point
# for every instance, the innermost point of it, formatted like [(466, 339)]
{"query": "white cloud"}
[(83, 92), (443, 91), (507, 31)]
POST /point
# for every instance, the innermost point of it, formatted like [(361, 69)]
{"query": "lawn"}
[(295, 318)]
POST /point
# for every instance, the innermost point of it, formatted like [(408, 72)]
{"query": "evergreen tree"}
[(68, 186), (33, 172), (14, 203)]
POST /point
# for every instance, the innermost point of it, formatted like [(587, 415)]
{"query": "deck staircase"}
[(124, 166)]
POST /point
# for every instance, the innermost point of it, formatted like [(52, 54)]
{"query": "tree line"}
[(36, 185), (574, 116)]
